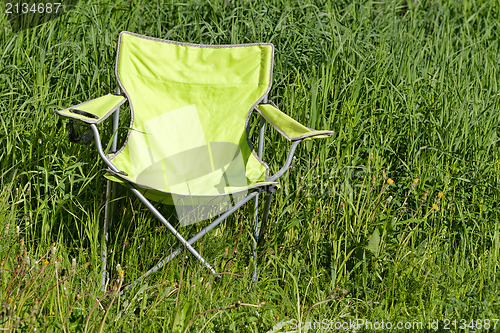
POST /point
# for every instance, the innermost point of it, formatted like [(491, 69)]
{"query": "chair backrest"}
[(185, 97)]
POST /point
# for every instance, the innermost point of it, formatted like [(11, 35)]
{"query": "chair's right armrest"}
[(288, 127), (94, 111)]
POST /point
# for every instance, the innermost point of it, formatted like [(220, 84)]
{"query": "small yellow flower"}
[(415, 181), (45, 263), (440, 195), (390, 181), (10, 300), (435, 207)]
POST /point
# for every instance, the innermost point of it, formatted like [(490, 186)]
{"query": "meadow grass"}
[(394, 219)]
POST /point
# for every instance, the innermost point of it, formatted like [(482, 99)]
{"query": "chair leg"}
[(255, 236), (265, 217), (258, 234), (108, 221)]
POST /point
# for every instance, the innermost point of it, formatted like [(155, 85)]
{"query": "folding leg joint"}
[(269, 188)]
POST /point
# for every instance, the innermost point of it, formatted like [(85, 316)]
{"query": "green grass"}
[(411, 92)]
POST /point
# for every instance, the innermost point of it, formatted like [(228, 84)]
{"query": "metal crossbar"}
[(196, 238)]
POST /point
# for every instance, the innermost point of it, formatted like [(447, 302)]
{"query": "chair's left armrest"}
[(94, 111), (288, 127)]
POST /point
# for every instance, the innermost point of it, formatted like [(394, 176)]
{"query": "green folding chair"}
[(187, 143)]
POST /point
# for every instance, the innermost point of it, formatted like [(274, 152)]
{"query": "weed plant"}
[(394, 219)]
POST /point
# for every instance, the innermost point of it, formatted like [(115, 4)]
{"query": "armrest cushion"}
[(95, 110), (288, 127)]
